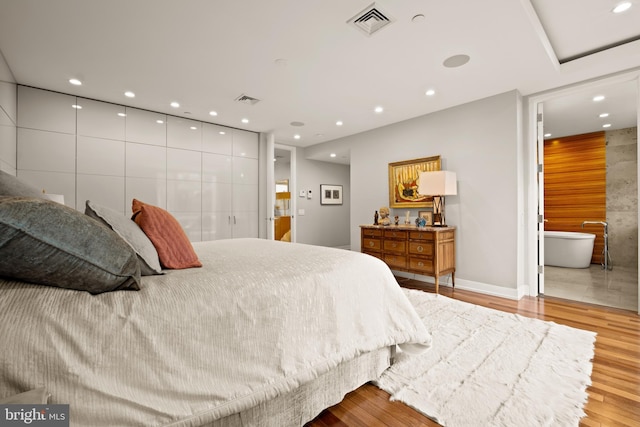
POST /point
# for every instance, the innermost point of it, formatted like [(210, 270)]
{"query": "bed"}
[(265, 333)]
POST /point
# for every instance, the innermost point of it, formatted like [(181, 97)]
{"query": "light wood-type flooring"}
[(614, 396)]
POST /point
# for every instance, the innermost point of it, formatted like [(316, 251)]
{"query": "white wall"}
[(8, 118), (322, 225), (480, 141)]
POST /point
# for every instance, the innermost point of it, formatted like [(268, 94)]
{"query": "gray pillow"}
[(12, 186), (50, 244), (131, 233)]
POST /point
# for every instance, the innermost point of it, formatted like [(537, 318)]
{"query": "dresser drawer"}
[(373, 254), (422, 235), (421, 248), (424, 265), (396, 261), (398, 246), (371, 245), (371, 232), (395, 234)]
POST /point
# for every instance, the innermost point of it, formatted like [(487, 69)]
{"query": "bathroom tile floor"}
[(614, 288)]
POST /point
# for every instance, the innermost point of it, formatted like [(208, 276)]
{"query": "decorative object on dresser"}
[(438, 184), (403, 182), (384, 216), (429, 251), (428, 216)]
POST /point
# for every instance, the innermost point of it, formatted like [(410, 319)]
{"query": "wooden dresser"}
[(430, 251)]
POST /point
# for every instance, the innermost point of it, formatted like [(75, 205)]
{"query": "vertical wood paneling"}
[(575, 185)]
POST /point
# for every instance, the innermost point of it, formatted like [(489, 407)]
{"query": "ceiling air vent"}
[(370, 20), (247, 99)]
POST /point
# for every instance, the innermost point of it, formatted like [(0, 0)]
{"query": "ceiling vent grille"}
[(370, 20), (245, 99)]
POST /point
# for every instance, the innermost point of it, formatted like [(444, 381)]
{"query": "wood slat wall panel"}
[(575, 185)]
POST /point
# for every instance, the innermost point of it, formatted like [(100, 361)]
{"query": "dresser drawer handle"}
[(420, 249), (395, 245), (371, 244), (420, 264)]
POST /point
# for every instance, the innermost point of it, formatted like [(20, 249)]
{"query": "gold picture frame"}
[(403, 182)]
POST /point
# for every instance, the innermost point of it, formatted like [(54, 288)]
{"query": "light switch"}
[(308, 194), (301, 212), (303, 193)]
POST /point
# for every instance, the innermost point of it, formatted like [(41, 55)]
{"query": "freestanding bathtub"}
[(568, 249)]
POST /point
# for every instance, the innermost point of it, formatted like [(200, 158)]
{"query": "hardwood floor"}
[(614, 396)]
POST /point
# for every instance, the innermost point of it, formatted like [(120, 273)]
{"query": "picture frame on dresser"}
[(403, 182), (428, 216)]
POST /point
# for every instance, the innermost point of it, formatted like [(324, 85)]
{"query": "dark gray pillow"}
[(131, 233), (50, 244), (12, 186)]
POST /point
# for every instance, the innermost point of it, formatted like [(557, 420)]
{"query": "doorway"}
[(284, 206), (617, 287)]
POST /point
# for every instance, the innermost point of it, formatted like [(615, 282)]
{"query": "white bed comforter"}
[(259, 319)]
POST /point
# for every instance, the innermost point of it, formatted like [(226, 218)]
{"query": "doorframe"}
[(531, 141)]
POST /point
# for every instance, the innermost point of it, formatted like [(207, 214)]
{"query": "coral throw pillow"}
[(174, 248)]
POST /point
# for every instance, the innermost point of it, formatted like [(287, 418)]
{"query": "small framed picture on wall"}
[(330, 194)]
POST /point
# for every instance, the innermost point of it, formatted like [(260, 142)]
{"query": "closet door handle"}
[(234, 220)]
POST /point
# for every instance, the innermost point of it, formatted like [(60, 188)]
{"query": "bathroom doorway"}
[(284, 206), (568, 116)]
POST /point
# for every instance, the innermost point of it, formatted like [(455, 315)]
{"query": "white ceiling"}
[(305, 63)]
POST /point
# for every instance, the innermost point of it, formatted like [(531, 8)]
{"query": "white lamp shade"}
[(437, 183)]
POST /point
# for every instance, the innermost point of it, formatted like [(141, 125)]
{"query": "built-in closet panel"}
[(146, 127), (148, 190), (101, 119), (204, 174), (44, 110), (104, 190), (98, 156), (8, 149), (184, 133), (217, 139), (184, 189), (46, 151), (245, 144), (52, 182)]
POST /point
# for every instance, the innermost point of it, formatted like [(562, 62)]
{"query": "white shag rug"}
[(491, 368)]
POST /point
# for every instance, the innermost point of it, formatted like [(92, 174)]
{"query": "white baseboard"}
[(470, 285)]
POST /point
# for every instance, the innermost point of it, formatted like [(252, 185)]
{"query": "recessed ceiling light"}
[(622, 7), (456, 61), (213, 113), (430, 92), (296, 136), (547, 135), (77, 107), (598, 98), (332, 155), (297, 124), (417, 18), (603, 115), (319, 135), (606, 125), (122, 115), (222, 132), (193, 128), (75, 82), (159, 122), (378, 109), (245, 120), (339, 123), (175, 104), (129, 94)]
